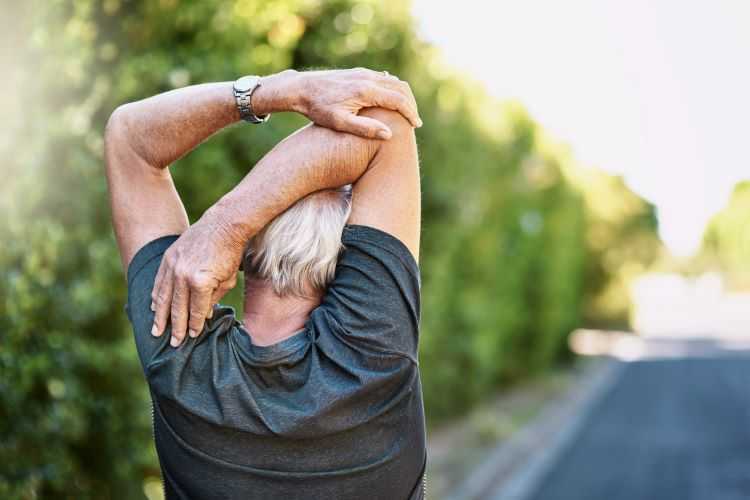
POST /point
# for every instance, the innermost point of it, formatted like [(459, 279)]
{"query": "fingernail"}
[(419, 122), (153, 306), (383, 134), (174, 342), (192, 333), (155, 330)]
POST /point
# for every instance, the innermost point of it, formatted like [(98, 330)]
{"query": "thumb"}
[(363, 126)]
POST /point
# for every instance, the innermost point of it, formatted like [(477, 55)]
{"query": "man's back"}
[(334, 411)]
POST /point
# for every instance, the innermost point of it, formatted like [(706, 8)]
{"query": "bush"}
[(508, 266)]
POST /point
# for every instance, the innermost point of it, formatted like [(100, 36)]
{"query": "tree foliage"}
[(519, 243), (726, 241)]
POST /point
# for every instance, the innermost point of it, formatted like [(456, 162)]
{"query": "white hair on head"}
[(297, 251)]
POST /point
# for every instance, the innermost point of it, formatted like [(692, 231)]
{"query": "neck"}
[(271, 318)]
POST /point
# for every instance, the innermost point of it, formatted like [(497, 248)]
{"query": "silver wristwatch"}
[(243, 93)]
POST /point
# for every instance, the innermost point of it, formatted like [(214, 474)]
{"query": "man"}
[(317, 395)]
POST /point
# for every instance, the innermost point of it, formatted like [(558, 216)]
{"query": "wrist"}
[(277, 93), (228, 225)]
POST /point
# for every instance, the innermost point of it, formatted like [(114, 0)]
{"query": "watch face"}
[(245, 83)]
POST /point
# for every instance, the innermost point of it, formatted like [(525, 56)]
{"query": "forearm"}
[(312, 159), (165, 127), (208, 253)]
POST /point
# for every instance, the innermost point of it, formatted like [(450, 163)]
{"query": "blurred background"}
[(583, 169)]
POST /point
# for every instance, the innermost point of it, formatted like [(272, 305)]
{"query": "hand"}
[(333, 98), (195, 273)]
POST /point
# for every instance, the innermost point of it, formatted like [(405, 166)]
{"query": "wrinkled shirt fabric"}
[(333, 412)]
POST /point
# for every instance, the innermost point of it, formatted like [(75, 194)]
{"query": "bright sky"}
[(656, 90)]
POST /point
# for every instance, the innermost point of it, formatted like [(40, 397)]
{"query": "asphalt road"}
[(675, 428)]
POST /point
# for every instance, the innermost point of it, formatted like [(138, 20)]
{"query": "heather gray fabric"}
[(333, 412)]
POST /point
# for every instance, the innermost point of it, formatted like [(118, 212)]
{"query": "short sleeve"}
[(374, 299), (220, 376), (141, 276)]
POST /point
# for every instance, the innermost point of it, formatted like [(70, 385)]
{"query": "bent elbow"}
[(115, 140), (120, 144), (116, 127)]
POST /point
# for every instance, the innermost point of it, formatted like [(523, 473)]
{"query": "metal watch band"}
[(243, 97)]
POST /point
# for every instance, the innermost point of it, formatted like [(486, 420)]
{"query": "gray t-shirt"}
[(333, 412)]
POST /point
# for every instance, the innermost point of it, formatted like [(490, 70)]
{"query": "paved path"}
[(669, 428)]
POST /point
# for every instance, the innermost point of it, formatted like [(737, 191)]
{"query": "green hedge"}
[(513, 247), (726, 241)]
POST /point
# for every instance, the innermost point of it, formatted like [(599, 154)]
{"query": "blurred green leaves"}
[(726, 242), (520, 244)]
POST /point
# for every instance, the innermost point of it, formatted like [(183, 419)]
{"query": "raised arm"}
[(145, 137), (386, 196), (141, 140)]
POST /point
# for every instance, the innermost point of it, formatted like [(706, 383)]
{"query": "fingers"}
[(158, 282), (413, 115), (377, 95), (381, 82), (346, 92), (216, 297), (409, 109), (222, 290), (200, 303), (405, 89), (162, 300), (396, 101), (179, 311), (185, 301), (204, 293), (363, 126)]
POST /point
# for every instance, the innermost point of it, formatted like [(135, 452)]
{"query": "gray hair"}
[(297, 252)]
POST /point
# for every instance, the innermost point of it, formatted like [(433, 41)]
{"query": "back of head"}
[(297, 252)]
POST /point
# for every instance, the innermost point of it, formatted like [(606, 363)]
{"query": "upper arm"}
[(387, 195), (143, 199)]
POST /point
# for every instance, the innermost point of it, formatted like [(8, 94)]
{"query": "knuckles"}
[(196, 280), (183, 274), (361, 91), (399, 125), (200, 282)]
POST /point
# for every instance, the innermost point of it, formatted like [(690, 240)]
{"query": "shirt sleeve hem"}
[(383, 240)]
